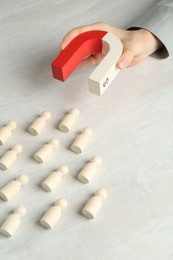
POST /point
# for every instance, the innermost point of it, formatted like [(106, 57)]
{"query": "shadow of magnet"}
[(85, 44)]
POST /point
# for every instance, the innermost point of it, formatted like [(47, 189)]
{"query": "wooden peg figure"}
[(53, 214), (13, 187), (10, 156), (88, 171), (13, 221), (6, 131), (94, 204), (52, 181), (39, 123), (44, 153), (68, 121), (81, 141)]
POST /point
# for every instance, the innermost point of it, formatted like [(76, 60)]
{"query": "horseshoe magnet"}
[(85, 44)]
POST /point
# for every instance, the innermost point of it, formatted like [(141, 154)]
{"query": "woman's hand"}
[(137, 44)]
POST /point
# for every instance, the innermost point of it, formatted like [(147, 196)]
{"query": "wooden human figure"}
[(13, 221), (88, 171), (52, 181), (6, 131), (10, 156), (44, 153), (81, 141), (53, 214), (94, 204), (39, 123), (68, 121), (13, 187)]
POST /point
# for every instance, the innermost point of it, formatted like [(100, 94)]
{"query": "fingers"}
[(91, 60), (86, 63), (75, 32), (134, 49), (126, 59), (68, 37)]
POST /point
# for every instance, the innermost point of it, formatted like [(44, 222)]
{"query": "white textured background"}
[(133, 133)]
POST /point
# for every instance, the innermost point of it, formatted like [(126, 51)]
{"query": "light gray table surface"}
[(132, 131)]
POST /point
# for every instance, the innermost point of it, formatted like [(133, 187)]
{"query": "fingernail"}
[(64, 44), (123, 63)]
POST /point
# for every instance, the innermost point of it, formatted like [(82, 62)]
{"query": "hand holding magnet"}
[(86, 44)]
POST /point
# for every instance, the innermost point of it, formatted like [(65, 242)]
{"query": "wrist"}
[(155, 42), (151, 42)]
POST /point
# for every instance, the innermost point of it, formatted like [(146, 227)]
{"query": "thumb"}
[(125, 59)]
